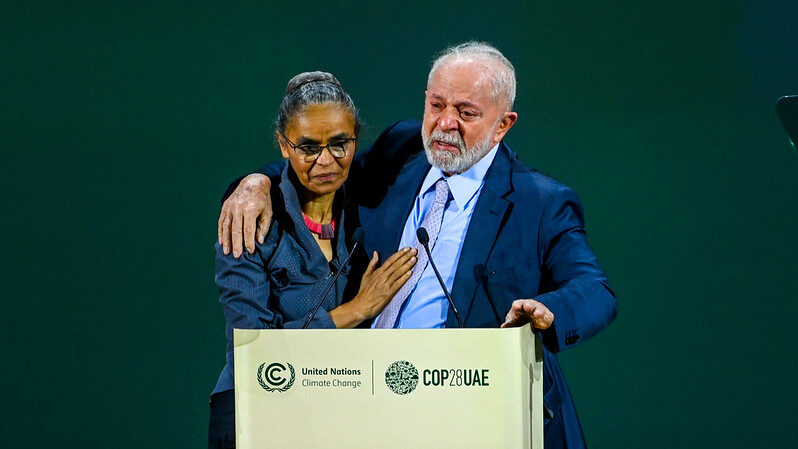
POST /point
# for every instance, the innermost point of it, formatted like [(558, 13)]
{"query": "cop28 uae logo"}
[(276, 377), (401, 377)]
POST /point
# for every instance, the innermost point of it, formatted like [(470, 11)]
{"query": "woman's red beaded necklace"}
[(324, 231)]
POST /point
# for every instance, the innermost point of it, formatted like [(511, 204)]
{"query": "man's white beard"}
[(449, 162)]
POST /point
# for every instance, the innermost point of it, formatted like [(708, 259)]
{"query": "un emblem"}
[(401, 377), (276, 377)]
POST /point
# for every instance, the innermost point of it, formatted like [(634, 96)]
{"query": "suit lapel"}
[(399, 200), (483, 230)]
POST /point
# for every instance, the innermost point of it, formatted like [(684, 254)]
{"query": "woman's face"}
[(320, 124)]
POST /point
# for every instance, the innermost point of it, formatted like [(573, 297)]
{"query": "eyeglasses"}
[(310, 151)]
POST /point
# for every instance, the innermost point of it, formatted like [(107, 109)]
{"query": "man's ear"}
[(507, 122)]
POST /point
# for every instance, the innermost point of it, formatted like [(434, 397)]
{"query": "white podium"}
[(430, 388)]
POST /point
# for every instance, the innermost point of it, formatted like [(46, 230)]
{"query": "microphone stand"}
[(423, 238), (357, 237)]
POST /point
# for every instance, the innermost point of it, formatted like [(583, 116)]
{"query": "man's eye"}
[(468, 114), (435, 105)]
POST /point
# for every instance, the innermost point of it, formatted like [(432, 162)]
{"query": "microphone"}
[(357, 237), (423, 238)]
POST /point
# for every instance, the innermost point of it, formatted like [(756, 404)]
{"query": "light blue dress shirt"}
[(427, 307)]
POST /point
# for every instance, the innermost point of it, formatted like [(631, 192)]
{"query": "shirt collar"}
[(462, 185)]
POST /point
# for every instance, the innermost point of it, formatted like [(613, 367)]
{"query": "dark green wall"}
[(121, 125)]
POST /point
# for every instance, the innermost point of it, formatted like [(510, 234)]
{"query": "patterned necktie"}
[(432, 223)]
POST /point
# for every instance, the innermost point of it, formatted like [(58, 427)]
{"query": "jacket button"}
[(571, 339)]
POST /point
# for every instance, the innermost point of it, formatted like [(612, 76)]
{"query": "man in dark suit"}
[(509, 242)]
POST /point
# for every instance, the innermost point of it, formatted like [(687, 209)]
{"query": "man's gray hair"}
[(503, 72)]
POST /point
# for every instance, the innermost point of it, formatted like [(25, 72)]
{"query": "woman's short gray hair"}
[(503, 70), (313, 88)]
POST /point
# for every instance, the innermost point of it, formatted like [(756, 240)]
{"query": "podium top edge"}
[(521, 329)]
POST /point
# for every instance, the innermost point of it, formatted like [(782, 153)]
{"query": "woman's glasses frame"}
[(311, 151)]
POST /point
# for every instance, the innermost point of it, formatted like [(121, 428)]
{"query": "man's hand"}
[(247, 210), (529, 311)]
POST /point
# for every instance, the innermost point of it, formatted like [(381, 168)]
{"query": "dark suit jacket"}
[(526, 239)]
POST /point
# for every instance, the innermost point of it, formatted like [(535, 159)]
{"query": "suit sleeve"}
[(370, 165), (373, 157), (360, 162), (582, 301)]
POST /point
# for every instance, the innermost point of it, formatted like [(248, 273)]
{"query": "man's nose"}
[(448, 121)]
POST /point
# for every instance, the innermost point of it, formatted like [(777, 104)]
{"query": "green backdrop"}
[(121, 124)]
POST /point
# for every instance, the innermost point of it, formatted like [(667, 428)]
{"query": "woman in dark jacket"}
[(279, 284)]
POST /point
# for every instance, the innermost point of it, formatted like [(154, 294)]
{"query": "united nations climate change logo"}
[(276, 377), (401, 377)]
